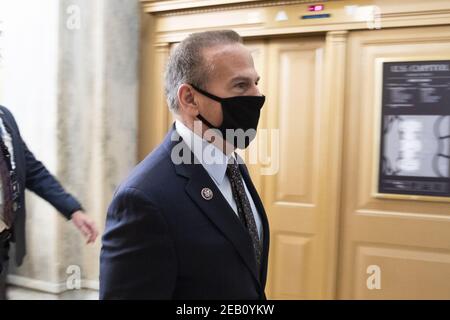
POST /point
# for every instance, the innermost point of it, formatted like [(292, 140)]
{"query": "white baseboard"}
[(90, 284), (46, 286)]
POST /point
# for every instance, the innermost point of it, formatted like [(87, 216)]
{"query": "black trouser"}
[(4, 248)]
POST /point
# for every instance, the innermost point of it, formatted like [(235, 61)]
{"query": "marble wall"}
[(70, 76)]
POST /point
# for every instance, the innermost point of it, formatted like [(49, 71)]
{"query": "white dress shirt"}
[(215, 163), (8, 142)]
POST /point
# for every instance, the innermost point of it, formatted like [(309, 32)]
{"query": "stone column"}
[(80, 119)]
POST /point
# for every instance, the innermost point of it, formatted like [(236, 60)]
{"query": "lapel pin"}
[(207, 193)]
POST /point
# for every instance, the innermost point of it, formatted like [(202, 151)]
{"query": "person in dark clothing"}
[(20, 170), (195, 228)]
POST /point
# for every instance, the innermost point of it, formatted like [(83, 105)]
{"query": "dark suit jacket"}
[(163, 240), (32, 174)]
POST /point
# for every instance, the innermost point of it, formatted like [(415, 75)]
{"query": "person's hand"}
[(86, 225)]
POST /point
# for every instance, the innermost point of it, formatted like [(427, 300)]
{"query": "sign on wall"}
[(415, 128)]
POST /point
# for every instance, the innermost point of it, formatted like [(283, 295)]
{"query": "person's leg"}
[(4, 248)]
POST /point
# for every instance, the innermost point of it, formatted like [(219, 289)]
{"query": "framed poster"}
[(414, 129)]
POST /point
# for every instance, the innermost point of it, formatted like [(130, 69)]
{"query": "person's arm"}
[(44, 184), (137, 259)]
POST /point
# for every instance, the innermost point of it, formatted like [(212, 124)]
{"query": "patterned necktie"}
[(243, 206), (6, 187)]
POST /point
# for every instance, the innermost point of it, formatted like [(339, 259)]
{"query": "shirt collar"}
[(212, 158)]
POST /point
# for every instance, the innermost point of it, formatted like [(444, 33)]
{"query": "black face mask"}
[(239, 113)]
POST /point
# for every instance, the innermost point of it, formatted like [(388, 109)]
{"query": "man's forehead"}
[(230, 53), (231, 61), (228, 48)]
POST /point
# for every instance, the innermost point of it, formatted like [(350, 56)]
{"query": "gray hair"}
[(187, 65)]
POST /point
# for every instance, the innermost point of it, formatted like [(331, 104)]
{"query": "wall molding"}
[(174, 20), (47, 286), (168, 8)]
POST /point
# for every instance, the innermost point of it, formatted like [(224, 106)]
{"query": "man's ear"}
[(187, 99)]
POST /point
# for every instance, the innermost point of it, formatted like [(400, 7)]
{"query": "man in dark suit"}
[(188, 222), (19, 169)]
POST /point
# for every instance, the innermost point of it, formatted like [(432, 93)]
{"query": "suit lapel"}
[(217, 208), (221, 215), (16, 147), (11, 131)]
